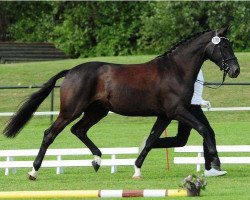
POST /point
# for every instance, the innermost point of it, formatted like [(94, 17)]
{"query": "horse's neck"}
[(189, 60)]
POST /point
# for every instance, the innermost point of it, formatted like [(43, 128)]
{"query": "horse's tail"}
[(25, 112)]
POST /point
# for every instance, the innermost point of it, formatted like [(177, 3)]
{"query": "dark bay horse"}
[(162, 87)]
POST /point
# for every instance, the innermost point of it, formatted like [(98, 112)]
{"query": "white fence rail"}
[(7, 114), (59, 163), (220, 148)]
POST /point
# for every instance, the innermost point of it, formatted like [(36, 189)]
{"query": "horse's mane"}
[(185, 40)]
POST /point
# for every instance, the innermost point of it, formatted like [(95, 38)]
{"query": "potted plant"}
[(194, 184)]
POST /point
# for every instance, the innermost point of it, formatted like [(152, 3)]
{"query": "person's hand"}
[(205, 104)]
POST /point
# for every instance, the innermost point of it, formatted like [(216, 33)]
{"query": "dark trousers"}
[(183, 133)]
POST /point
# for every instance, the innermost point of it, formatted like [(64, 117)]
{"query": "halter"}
[(225, 67)]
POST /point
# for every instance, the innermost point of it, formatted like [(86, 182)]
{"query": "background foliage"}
[(120, 28)]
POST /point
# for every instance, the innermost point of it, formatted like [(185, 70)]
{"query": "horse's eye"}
[(225, 46)]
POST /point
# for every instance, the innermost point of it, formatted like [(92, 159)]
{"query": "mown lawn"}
[(119, 131)]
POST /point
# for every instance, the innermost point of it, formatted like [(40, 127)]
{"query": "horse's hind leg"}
[(49, 136), (92, 115), (159, 126)]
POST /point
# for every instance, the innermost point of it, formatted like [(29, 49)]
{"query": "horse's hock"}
[(25, 52)]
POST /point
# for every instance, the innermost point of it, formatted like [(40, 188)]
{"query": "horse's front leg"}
[(188, 118), (159, 126)]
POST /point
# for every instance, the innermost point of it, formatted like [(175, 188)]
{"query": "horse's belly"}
[(137, 113), (131, 96), (134, 106)]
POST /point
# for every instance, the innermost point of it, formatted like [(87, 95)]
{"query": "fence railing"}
[(32, 87), (51, 113)]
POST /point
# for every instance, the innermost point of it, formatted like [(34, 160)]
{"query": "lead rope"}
[(204, 82)]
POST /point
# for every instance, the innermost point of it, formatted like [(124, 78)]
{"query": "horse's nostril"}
[(237, 71)]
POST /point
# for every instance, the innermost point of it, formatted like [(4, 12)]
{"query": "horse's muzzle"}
[(234, 71)]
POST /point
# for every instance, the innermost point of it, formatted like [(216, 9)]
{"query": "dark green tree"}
[(92, 28), (171, 21)]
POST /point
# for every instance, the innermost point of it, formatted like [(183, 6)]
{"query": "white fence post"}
[(13, 169), (7, 170), (59, 170), (113, 167), (198, 167)]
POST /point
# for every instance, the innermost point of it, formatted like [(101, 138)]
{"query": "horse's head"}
[(219, 50)]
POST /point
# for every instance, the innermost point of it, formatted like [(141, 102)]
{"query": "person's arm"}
[(198, 89)]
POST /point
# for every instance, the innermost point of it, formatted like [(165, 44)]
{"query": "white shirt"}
[(198, 89)]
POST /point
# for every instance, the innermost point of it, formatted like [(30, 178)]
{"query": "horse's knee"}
[(78, 131), (178, 141), (73, 130), (181, 143), (48, 138)]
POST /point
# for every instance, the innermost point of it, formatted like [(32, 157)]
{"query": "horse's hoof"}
[(32, 174), (32, 178), (136, 177), (95, 165)]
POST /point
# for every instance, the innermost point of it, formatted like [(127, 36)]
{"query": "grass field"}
[(119, 131)]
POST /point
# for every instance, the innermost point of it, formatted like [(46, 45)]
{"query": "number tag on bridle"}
[(216, 40)]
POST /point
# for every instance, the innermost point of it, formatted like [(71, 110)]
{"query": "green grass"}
[(119, 131)]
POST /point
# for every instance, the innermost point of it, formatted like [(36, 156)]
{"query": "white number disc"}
[(216, 40)]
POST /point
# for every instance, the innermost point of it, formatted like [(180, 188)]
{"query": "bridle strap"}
[(204, 83), (233, 58), (225, 67)]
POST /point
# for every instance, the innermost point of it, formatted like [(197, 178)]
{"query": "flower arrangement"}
[(194, 184)]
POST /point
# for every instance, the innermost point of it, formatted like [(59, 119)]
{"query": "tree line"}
[(92, 28)]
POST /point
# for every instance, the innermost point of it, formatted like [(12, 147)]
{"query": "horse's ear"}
[(223, 31)]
